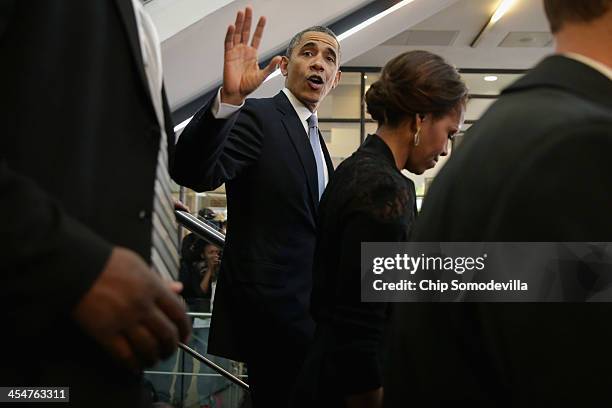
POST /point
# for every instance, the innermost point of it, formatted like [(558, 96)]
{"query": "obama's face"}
[(312, 69)]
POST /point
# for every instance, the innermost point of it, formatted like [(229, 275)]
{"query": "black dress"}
[(367, 200)]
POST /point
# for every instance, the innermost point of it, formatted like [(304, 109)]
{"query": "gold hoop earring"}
[(417, 137)]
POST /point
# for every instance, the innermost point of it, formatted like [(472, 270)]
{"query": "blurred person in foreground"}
[(543, 173), (86, 136), (271, 156), (419, 103)]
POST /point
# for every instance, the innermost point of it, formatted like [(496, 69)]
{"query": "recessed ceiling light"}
[(490, 78)]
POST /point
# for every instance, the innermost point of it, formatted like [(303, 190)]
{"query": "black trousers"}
[(272, 380)]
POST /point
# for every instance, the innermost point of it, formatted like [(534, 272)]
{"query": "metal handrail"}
[(200, 228), (199, 314), (215, 367), (212, 235)]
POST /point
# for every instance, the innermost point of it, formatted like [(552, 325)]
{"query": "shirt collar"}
[(302, 111), (596, 65)]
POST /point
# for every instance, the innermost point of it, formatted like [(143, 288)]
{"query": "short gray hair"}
[(317, 29)]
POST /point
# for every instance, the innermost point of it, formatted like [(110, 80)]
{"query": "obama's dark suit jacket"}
[(263, 155)]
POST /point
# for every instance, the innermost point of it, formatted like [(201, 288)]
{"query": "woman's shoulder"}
[(367, 172), (374, 187)]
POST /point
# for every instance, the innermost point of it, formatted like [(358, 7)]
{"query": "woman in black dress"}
[(418, 103)]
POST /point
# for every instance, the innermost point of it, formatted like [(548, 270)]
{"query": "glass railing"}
[(191, 378), (187, 382)]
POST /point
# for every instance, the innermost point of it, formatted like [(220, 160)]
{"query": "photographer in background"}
[(200, 263)]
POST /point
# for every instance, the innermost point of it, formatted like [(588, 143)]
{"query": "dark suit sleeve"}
[(49, 260), (6, 11), (564, 189), (212, 151), (359, 324)]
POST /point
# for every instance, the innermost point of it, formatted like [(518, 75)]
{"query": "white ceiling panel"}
[(468, 17), (527, 39)]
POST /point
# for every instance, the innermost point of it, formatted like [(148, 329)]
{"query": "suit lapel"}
[(300, 142), (129, 21)]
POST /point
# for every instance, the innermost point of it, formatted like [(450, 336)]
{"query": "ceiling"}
[(193, 56), (192, 52), (477, 84), (517, 41), (192, 34)]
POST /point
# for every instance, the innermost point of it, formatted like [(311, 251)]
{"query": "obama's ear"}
[(284, 65)]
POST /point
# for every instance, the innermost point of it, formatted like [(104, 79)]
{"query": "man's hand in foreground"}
[(132, 313)]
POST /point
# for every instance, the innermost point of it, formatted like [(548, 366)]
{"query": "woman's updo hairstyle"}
[(415, 82)]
